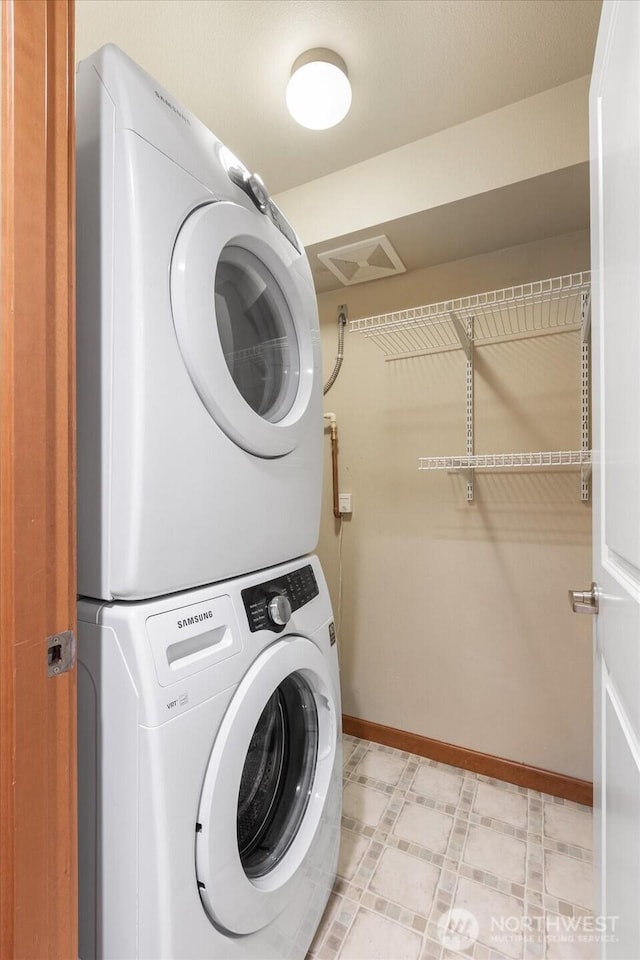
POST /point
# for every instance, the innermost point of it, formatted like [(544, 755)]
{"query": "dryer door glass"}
[(246, 320), (277, 776), (257, 333)]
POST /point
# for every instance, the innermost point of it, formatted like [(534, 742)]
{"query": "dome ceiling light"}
[(319, 92)]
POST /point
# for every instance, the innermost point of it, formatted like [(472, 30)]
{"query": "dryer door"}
[(265, 787), (246, 321)]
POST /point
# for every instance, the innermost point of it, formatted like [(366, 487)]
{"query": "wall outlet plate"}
[(345, 503)]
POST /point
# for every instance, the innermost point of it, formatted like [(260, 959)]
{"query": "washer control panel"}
[(269, 605)]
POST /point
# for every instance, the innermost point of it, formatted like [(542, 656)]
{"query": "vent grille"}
[(369, 259)]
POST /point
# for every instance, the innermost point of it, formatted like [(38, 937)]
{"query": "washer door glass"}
[(277, 776), (269, 788), (257, 333)]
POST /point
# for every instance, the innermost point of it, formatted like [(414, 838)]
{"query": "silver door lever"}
[(584, 601)]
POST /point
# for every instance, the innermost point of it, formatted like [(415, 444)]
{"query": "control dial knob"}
[(257, 191), (279, 610)]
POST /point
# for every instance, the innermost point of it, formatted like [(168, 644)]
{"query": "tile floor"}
[(437, 862)]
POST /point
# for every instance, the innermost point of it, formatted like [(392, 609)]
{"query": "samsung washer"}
[(199, 377), (210, 770)]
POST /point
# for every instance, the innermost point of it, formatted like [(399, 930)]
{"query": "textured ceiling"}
[(417, 66)]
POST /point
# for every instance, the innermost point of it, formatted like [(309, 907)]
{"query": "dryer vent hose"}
[(342, 322)]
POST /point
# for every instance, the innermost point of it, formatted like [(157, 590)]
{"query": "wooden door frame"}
[(38, 851)]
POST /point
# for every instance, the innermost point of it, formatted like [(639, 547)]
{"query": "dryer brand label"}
[(196, 618), (167, 103)]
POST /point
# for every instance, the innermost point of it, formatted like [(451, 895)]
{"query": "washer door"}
[(243, 316), (265, 787)]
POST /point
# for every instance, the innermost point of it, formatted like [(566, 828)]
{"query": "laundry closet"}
[(329, 755), (454, 616), (320, 423)]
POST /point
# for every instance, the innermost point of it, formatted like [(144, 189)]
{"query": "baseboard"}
[(556, 784)]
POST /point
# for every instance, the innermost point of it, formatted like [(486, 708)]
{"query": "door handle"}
[(585, 601)]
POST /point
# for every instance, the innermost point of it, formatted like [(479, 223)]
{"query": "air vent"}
[(369, 259)]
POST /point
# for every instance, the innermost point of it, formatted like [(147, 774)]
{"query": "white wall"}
[(455, 622)]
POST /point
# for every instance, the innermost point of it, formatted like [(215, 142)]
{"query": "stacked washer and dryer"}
[(209, 700)]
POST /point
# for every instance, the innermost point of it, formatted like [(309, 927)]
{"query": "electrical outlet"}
[(345, 503)]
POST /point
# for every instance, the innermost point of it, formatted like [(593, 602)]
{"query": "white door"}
[(615, 228), (245, 317)]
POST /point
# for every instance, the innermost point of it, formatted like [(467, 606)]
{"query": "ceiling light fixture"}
[(319, 92)]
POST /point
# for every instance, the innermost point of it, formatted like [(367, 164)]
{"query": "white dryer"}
[(199, 377), (209, 744)]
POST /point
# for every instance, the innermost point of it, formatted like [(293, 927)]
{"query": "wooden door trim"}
[(38, 855)]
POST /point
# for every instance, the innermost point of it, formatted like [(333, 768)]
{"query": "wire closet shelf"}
[(502, 461), (557, 305), (529, 310)]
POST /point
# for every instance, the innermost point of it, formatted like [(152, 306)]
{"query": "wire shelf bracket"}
[(470, 379), (541, 308), (585, 394)]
